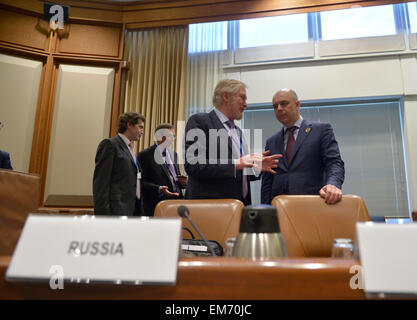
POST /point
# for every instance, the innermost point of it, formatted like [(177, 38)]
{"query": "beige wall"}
[(19, 87), (410, 137), (81, 120)]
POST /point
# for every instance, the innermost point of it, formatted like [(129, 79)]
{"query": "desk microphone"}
[(183, 212)]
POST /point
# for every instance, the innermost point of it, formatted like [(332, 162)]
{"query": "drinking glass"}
[(342, 248), (230, 243)]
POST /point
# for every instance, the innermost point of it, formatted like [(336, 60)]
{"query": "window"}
[(412, 18), (358, 30), (358, 23), (361, 30), (274, 38), (274, 30), (412, 15), (370, 139), (205, 37)]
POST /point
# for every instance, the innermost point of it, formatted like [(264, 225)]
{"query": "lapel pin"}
[(308, 130)]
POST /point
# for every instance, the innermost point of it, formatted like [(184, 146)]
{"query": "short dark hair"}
[(164, 126), (129, 117), (160, 130)]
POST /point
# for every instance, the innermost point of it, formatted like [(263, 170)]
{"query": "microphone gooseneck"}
[(183, 212)]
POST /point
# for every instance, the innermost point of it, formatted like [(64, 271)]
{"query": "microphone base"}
[(196, 247)]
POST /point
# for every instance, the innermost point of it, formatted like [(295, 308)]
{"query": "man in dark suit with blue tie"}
[(5, 160), (117, 174), (311, 164), (160, 172), (216, 161)]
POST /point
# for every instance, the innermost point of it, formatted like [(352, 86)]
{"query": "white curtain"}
[(207, 42)]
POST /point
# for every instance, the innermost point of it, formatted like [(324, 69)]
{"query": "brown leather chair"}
[(309, 225), (217, 219), (19, 195)]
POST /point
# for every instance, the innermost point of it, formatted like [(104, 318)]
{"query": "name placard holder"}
[(90, 249), (388, 259)]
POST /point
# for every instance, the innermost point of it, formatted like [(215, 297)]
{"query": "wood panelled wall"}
[(24, 33), (95, 35)]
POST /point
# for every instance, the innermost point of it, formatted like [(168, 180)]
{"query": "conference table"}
[(214, 278)]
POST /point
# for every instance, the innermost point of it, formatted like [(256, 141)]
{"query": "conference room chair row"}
[(307, 224)]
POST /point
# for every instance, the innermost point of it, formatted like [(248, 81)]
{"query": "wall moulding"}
[(159, 13), (86, 60), (197, 11), (12, 49)]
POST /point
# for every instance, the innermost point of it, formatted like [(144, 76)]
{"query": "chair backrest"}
[(217, 219), (309, 225), (19, 195)]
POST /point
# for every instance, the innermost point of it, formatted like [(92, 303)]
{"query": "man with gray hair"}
[(311, 164), (215, 151)]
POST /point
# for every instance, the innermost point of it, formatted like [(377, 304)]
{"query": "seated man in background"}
[(5, 160), (160, 172), (117, 175), (5, 157), (311, 162)]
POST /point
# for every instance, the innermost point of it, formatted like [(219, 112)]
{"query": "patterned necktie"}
[(290, 143), (135, 160), (238, 147), (171, 169)]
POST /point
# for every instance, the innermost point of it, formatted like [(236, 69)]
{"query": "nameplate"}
[(388, 258), (88, 249)]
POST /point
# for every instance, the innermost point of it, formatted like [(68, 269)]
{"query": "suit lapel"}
[(124, 147), (176, 166), (174, 160), (159, 160), (217, 124), (303, 132), (245, 147), (279, 145)]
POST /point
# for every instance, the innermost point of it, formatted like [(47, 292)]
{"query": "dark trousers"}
[(139, 211)]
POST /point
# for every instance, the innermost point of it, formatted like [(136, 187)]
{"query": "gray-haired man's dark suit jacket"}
[(212, 178)]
